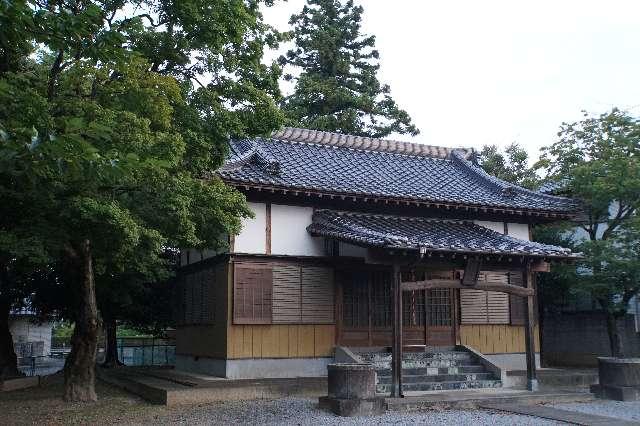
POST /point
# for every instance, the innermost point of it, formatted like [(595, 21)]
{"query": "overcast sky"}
[(492, 72)]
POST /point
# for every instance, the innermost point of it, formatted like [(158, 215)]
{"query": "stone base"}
[(353, 407), (617, 393), (254, 368)]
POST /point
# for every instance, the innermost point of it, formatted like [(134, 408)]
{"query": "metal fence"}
[(146, 351)]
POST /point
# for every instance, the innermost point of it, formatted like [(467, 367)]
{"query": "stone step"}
[(432, 371), (383, 380), (436, 363), (436, 386), (415, 356)]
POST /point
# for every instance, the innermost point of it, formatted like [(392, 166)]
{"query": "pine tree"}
[(338, 88)]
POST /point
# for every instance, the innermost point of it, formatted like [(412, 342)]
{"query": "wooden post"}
[(529, 332), (396, 350)]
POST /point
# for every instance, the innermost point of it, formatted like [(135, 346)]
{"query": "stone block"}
[(351, 381)]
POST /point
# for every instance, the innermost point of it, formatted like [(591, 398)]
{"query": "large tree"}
[(335, 70), (597, 161), (112, 116), (511, 165)]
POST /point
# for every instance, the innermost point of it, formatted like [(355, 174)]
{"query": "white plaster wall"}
[(252, 238), (289, 234), (519, 230), (516, 230), (23, 330)]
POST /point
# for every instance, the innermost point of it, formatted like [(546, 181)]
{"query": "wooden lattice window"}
[(413, 308), (439, 306), (381, 299), (252, 294), (355, 301)]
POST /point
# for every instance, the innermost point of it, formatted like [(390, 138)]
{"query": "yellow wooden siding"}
[(495, 338), (280, 341)]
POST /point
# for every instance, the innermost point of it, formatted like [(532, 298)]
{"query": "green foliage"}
[(338, 88), (112, 117), (597, 160), (512, 165)]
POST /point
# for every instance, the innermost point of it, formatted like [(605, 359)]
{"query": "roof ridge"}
[(365, 143), (498, 184)]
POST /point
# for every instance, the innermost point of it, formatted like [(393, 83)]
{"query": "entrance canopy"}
[(426, 235)]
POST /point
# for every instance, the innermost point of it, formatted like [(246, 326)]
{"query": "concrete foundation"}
[(511, 361), (265, 368)]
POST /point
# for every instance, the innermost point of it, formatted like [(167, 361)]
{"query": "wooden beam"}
[(396, 350), (529, 333), (433, 284), (268, 229)]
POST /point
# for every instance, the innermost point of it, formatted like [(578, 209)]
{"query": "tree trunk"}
[(80, 366), (8, 358), (111, 344), (615, 341)]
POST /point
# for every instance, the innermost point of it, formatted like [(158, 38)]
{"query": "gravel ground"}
[(621, 410), (42, 406), (291, 411)]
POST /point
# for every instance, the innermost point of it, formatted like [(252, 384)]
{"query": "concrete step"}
[(438, 386), (432, 371), (382, 380)]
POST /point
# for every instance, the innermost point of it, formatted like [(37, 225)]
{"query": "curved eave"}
[(380, 199), (450, 252)]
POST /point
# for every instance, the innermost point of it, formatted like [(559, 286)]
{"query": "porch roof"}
[(431, 235)]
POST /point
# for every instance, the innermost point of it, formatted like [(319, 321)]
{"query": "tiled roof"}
[(304, 160), (293, 134), (439, 235)]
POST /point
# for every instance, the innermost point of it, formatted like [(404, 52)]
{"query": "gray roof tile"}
[(299, 159), (414, 233)]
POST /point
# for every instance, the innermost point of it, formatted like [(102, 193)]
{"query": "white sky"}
[(492, 72)]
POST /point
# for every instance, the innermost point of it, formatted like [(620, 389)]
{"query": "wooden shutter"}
[(252, 294), (209, 296), (497, 302), (473, 306), (286, 294), (518, 305), (497, 307), (188, 299), (318, 303), (485, 307)]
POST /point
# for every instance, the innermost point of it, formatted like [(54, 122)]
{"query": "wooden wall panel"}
[(281, 341), (495, 338)]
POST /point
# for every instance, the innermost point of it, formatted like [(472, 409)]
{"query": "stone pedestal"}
[(619, 379), (352, 390)]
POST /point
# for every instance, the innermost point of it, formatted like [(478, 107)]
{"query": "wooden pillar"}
[(396, 350), (529, 332)]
